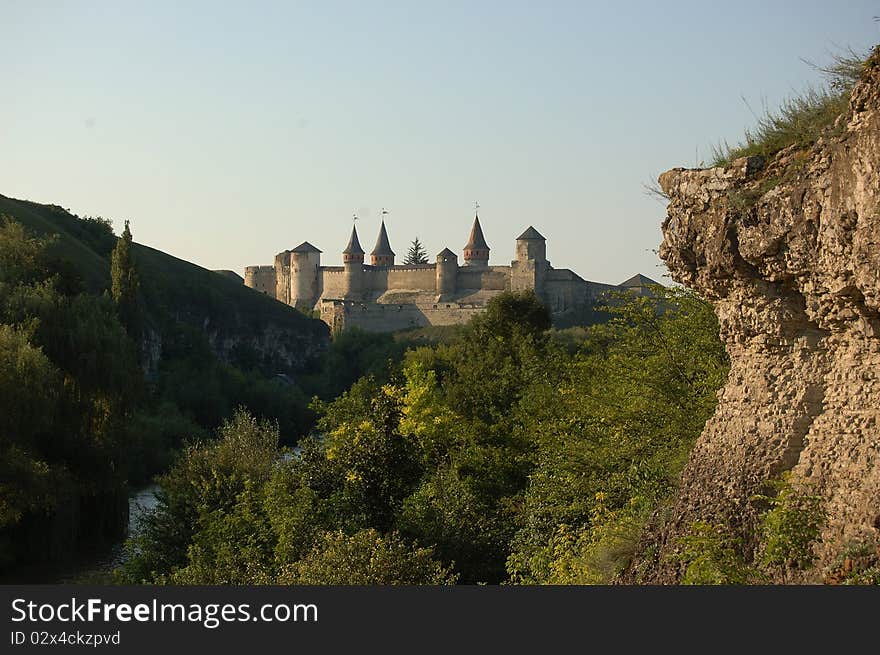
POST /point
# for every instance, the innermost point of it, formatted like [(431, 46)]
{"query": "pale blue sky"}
[(226, 132)]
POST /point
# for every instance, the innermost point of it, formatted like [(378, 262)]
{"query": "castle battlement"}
[(383, 296)]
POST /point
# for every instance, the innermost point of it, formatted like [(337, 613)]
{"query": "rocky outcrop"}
[(282, 348), (275, 346), (788, 251)]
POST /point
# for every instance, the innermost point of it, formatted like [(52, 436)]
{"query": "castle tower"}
[(382, 254), (353, 261), (447, 273), (282, 277), (476, 251), (529, 268), (305, 260), (531, 246), (261, 278)]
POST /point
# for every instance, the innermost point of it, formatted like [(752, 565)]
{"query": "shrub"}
[(790, 527), (366, 558), (710, 557)]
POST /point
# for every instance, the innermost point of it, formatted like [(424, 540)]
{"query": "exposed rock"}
[(286, 347), (788, 251)]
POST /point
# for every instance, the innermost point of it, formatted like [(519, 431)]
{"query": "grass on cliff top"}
[(801, 119)]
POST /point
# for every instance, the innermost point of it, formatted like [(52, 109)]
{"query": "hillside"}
[(91, 405), (177, 293)]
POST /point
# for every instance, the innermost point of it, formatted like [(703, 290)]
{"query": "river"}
[(94, 567)]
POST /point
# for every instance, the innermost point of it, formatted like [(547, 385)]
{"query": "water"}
[(98, 568), (139, 502), (95, 567)]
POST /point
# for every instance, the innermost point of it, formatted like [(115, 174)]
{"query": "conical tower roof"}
[(305, 247), (354, 246), (638, 280), (531, 234), (476, 241), (383, 248)]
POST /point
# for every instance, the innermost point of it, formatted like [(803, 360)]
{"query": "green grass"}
[(45, 220), (801, 119)]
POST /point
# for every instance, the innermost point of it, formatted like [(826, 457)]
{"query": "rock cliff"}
[(788, 251)]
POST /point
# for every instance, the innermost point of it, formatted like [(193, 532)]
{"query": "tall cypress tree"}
[(416, 254), (125, 285)]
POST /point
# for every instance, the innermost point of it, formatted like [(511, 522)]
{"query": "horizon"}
[(228, 134)]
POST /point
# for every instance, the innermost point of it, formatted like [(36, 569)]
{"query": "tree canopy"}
[(510, 454)]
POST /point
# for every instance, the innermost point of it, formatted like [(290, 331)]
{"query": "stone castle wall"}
[(397, 297), (421, 278), (332, 283), (495, 278), (375, 317), (564, 291), (261, 278), (282, 277)]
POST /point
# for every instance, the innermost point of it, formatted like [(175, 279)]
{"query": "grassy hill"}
[(86, 250), (176, 291)]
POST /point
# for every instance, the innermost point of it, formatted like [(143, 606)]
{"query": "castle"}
[(383, 297)]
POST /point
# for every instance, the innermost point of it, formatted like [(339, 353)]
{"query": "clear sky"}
[(226, 132)]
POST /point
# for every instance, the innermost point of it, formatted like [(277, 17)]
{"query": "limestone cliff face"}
[(289, 349), (788, 250), (287, 346)]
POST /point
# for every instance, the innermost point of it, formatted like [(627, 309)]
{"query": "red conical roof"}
[(476, 241)]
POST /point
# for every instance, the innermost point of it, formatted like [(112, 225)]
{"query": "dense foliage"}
[(84, 415), (68, 383), (511, 453)]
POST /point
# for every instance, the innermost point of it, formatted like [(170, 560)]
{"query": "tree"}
[(416, 254), (67, 381), (612, 427), (367, 558), (28, 401), (512, 313), (125, 284), (204, 499)]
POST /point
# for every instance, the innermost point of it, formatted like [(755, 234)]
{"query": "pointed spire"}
[(476, 252), (477, 241), (354, 246), (383, 248)]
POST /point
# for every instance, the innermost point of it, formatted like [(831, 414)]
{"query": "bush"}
[(790, 527), (858, 564), (710, 557), (366, 558)]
